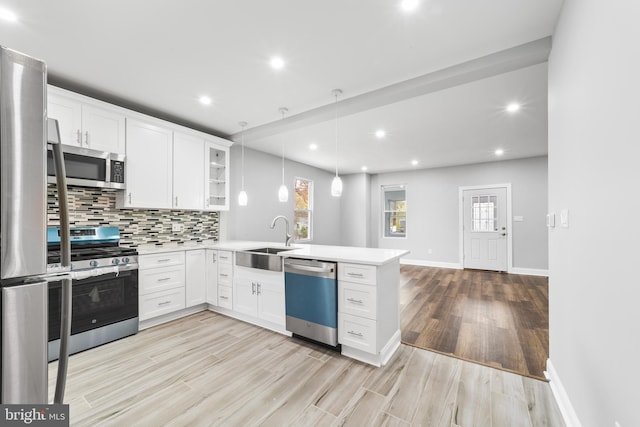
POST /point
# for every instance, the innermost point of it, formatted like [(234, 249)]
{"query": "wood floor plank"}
[(258, 377)]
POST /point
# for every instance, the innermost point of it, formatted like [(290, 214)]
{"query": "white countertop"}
[(357, 255)]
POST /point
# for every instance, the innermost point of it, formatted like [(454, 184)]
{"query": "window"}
[(303, 209), (394, 211), (484, 211)]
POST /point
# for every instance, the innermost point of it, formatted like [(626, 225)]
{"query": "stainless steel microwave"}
[(90, 168)]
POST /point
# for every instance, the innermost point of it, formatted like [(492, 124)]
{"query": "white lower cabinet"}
[(260, 294), (357, 332), (211, 272), (195, 277), (161, 284), (225, 297)]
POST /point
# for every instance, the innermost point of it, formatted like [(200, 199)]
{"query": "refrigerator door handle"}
[(65, 258)]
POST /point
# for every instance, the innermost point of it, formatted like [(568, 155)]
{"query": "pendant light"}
[(242, 196), (336, 184), (283, 191)]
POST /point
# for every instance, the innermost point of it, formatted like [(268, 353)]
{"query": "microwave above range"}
[(89, 168)]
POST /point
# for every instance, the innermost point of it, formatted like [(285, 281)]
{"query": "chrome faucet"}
[(288, 238)]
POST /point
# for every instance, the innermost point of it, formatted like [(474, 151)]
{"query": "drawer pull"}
[(355, 301), (357, 334), (163, 303), (164, 279), (224, 275), (355, 274), (223, 297), (164, 260)]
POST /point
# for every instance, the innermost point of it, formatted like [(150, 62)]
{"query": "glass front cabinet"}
[(217, 176)]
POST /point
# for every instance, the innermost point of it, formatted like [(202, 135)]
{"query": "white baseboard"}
[(562, 399), (155, 321), (426, 263), (530, 271)]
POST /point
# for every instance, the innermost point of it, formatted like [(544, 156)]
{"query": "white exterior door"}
[(485, 228)]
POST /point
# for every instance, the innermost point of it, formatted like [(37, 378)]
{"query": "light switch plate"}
[(564, 218), (551, 220)]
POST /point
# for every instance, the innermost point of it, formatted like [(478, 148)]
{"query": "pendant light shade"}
[(336, 184), (242, 196), (283, 191)]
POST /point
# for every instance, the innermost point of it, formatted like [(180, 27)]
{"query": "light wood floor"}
[(494, 318), (208, 369)]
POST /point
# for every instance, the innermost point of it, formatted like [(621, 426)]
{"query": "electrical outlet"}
[(176, 227)]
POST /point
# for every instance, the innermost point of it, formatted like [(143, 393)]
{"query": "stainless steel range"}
[(104, 288)]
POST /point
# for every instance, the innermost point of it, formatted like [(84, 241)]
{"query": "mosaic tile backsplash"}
[(95, 207)]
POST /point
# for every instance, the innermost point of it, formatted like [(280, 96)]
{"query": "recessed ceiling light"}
[(7, 15), (277, 63), (205, 100), (364, 169), (499, 152), (380, 133), (409, 5), (313, 147), (414, 162), (513, 107)]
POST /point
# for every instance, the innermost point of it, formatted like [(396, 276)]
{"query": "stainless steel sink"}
[(261, 258)]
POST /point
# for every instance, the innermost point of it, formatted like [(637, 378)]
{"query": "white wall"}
[(432, 204), (355, 210), (263, 176), (594, 157)]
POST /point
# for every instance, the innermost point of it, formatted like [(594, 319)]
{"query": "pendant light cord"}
[(243, 127), (283, 111), (336, 128)]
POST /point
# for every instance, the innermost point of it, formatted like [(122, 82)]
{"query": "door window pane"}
[(303, 209), (484, 213), (394, 211)]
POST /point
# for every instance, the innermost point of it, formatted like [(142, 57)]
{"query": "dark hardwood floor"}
[(497, 319)]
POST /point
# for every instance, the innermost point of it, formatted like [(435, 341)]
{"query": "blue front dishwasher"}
[(311, 295)]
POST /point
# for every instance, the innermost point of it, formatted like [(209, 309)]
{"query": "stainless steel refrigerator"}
[(23, 230)]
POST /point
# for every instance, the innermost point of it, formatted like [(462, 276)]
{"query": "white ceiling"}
[(160, 56)]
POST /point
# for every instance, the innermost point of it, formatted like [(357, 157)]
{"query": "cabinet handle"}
[(356, 301), (223, 297), (224, 275), (86, 138), (164, 260), (355, 274), (356, 334), (253, 288), (213, 259), (259, 289), (176, 201), (164, 279), (129, 196), (79, 137), (163, 303)]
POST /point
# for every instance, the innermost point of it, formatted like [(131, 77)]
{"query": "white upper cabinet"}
[(148, 166), (87, 123), (188, 173), (217, 175)]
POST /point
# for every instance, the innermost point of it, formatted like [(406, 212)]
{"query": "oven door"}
[(96, 302)]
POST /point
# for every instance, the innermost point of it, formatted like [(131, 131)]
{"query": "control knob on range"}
[(115, 261), (126, 260), (93, 263)]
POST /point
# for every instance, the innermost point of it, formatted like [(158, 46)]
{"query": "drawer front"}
[(225, 274), (161, 260), (356, 299), (225, 257), (357, 332), (163, 302), (160, 279), (225, 297), (357, 273)]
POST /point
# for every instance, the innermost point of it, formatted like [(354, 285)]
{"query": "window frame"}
[(385, 229), (309, 210)]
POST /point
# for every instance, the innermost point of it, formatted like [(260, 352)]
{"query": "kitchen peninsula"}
[(180, 279)]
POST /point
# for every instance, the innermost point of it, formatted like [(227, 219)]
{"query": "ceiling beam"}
[(515, 58)]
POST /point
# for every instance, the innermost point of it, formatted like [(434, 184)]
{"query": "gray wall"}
[(355, 210), (263, 176), (593, 172), (432, 205)]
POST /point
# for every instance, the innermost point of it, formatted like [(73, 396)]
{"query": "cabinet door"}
[(212, 276), (148, 166), (68, 112), (195, 278), (271, 302), (216, 159), (188, 172), (244, 298), (103, 129)]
